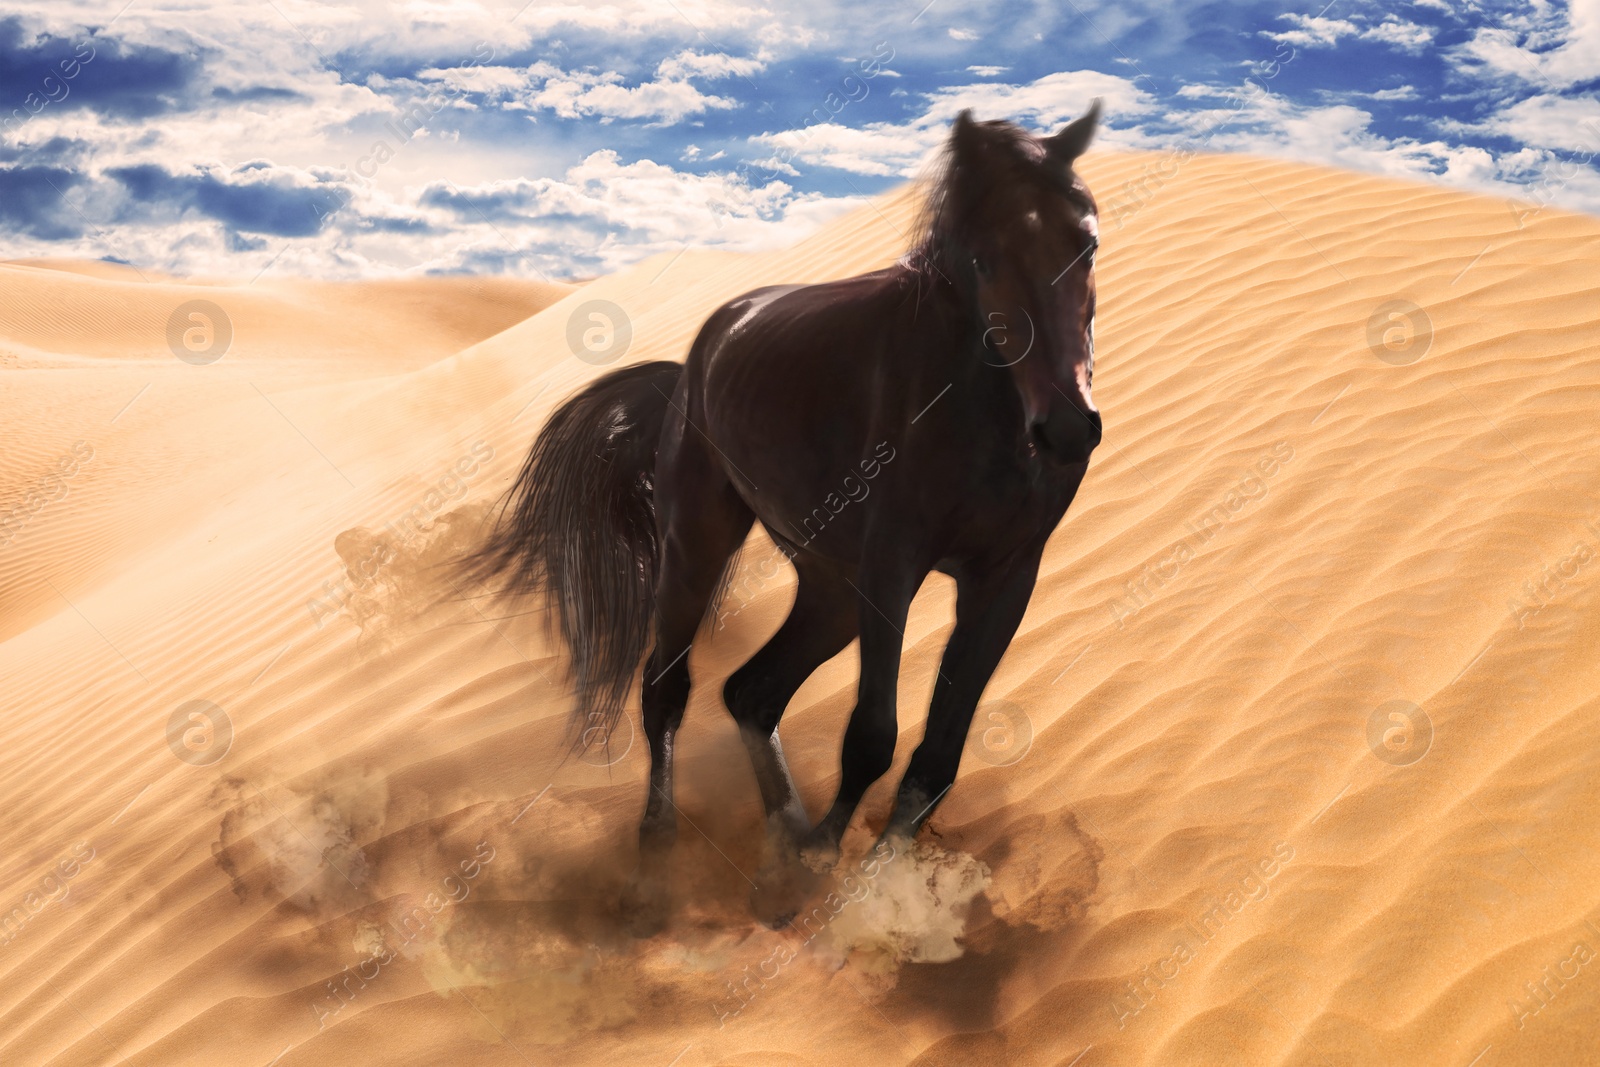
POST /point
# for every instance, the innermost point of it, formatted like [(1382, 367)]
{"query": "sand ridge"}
[(1290, 763)]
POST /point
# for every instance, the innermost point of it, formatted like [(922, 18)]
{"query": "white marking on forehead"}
[(1091, 225)]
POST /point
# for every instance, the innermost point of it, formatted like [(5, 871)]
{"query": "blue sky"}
[(351, 138)]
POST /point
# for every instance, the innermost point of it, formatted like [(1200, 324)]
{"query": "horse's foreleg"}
[(869, 739), (989, 608)]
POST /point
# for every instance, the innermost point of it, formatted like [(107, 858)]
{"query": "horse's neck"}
[(956, 322), (948, 359)]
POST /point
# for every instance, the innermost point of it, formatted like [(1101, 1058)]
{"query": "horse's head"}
[(1017, 231)]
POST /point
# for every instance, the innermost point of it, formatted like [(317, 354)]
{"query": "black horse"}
[(933, 415)]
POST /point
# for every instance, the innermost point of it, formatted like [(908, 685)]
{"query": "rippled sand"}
[(1293, 761)]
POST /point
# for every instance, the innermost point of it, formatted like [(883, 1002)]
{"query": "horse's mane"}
[(965, 191)]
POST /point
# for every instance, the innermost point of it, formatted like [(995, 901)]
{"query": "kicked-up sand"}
[(1293, 760)]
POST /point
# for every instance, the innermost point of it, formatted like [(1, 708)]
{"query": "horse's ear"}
[(1074, 138), (966, 141), (963, 128)]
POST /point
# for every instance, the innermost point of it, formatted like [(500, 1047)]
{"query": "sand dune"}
[(1291, 763)]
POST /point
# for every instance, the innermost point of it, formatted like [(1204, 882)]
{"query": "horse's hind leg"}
[(821, 623), (702, 522)]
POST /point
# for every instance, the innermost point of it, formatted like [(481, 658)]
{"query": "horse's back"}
[(788, 380)]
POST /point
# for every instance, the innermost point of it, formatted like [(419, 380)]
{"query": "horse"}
[(934, 415)]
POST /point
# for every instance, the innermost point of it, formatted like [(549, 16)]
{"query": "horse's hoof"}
[(645, 907), (819, 854), (773, 920), (781, 889)]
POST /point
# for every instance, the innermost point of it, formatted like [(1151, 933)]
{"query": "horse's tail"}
[(579, 525)]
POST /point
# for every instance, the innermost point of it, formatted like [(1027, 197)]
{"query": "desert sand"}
[(1293, 760)]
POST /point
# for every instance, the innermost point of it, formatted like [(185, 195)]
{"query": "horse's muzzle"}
[(1067, 433)]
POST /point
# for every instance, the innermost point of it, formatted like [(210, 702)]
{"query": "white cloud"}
[(602, 211), (886, 149), (1312, 32), (1571, 124), (1398, 94), (643, 16), (1043, 103), (624, 211), (669, 97), (1315, 32), (1406, 36), (1549, 47), (690, 64), (578, 93), (1341, 135), (602, 215), (432, 27)]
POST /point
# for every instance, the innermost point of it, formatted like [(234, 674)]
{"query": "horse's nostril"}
[(1065, 436)]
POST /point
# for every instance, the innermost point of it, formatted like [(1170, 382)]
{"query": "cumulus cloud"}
[(617, 211), (1310, 31), (690, 64), (889, 149), (1549, 46), (1344, 135), (1406, 36), (669, 97), (350, 137), (578, 93), (42, 70), (1571, 124)]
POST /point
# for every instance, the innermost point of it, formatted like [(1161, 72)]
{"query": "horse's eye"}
[(981, 265), (1094, 246)]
